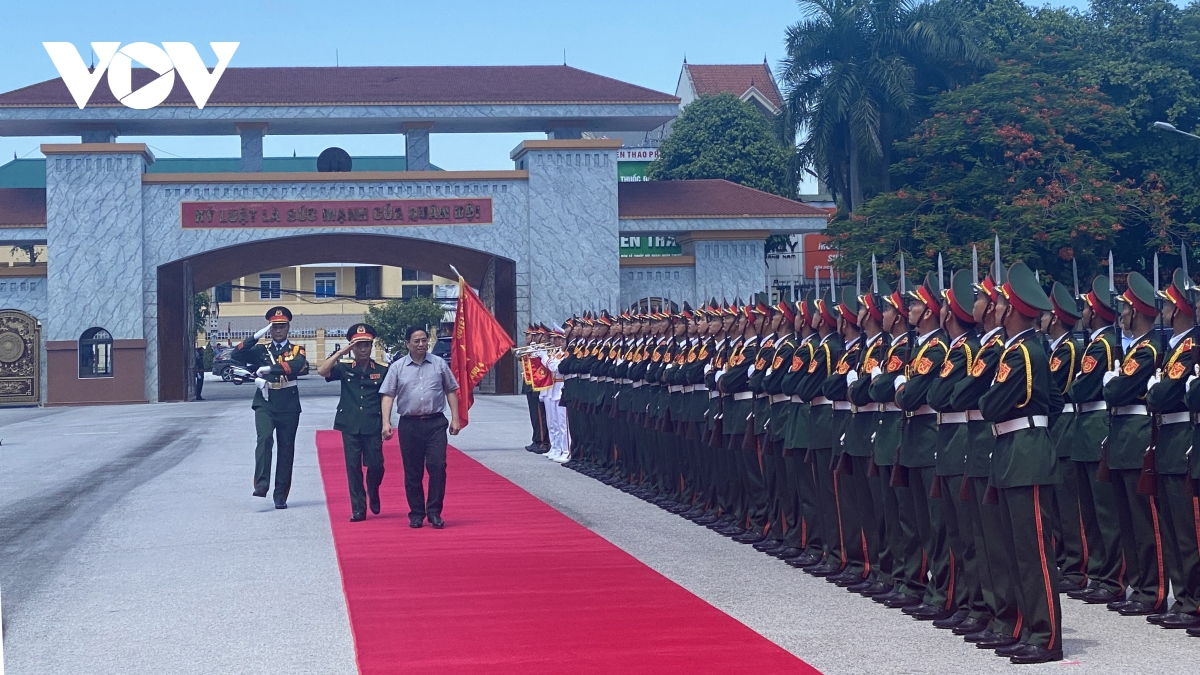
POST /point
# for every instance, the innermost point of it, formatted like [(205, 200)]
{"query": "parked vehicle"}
[(222, 363), (237, 374), (442, 347)]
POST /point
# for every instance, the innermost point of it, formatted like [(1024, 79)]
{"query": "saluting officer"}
[(359, 416), (276, 403)]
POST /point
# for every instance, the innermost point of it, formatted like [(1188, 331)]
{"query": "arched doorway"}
[(178, 280)]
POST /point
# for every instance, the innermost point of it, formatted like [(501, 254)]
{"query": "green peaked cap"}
[(1024, 285), (1064, 302)]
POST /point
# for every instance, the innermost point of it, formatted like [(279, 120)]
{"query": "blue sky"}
[(643, 42)]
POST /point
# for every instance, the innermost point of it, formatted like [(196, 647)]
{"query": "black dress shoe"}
[(1101, 596), (532, 447), (884, 598), (1035, 654), (877, 588), (281, 503), (934, 614), (1012, 649), (706, 520), (414, 523), (979, 636), (373, 500), (1158, 618), (749, 537), (1081, 593), (919, 607), (768, 544), (823, 570), (952, 621), (437, 522), (804, 560), (997, 641), (1065, 585), (843, 579), (259, 493), (357, 517), (1194, 631), (969, 625), (902, 602), (860, 586), (1177, 620), (788, 553), (1135, 608), (1116, 605)]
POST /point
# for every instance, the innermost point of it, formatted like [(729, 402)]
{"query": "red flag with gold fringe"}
[(477, 344)]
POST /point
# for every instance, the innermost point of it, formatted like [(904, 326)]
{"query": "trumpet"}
[(528, 349)]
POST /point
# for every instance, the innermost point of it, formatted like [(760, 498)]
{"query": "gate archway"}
[(20, 358), (177, 281)]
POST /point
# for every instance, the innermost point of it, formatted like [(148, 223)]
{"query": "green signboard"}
[(632, 163), (649, 246)]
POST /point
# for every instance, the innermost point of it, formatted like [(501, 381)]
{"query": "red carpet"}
[(513, 586)]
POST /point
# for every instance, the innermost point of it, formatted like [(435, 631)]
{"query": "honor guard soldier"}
[(1177, 506), (359, 416), (276, 402), (1097, 500), (1024, 465), (849, 481), (1065, 356), (1129, 436)]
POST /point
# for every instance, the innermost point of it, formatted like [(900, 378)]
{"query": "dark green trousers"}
[(965, 575), (1139, 520), (806, 490), (800, 529), (860, 548), (362, 450), (537, 418), (887, 520), (1068, 525), (1026, 512), (933, 530), (832, 535), (995, 570), (282, 426), (906, 539), (1102, 530), (1178, 514)]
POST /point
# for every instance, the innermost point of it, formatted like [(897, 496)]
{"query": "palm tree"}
[(851, 76)]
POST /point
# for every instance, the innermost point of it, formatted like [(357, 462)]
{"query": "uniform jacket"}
[(285, 363)]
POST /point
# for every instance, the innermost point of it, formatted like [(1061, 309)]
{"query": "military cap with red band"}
[(848, 307), (785, 307), (1097, 299), (961, 297), (1139, 294), (827, 309), (1177, 293), (929, 293), (1065, 308), (1024, 293), (279, 315), (360, 332), (872, 300)]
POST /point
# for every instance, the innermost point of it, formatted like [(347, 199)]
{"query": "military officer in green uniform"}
[(1128, 438), (359, 416), (1024, 466), (276, 402), (1177, 507)]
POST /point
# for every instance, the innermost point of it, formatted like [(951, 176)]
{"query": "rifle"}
[(872, 467), (1102, 471), (899, 476), (1148, 481)]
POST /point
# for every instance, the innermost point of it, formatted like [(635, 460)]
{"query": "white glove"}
[(1154, 379), (750, 370), (263, 387), (851, 377), (1190, 380), (263, 371), (1110, 376), (899, 381), (876, 372), (262, 331)]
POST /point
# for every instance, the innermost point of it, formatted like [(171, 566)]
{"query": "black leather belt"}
[(422, 418)]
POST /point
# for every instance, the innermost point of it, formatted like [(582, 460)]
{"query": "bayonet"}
[(1075, 275), (874, 276), (1183, 260), (1037, 276), (941, 277), (974, 265), (997, 259), (858, 282)]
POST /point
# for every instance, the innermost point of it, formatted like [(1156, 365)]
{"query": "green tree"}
[(852, 75), (1004, 157), (724, 137), (393, 317), (200, 309)]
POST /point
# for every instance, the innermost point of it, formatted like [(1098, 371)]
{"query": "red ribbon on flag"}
[(477, 344)]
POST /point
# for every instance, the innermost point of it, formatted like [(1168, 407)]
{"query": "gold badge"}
[(1130, 367), (894, 363), (691, 358), (924, 365), (797, 364), (1176, 371), (843, 368), (704, 352), (1089, 363), (1002, 372), (655, 357), (947, 368), (759, 364), (1055, 364), (812, 366), (870, 365), (776, 363), (978, 368)]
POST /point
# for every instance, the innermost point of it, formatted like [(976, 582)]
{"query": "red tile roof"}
[(380, 85), (736, 80), (22, 206), (705, 199)]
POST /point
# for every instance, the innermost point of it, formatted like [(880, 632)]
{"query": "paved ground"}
[(129, 543)]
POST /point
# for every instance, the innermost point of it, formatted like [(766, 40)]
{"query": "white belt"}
[(675, 388), (796, 399), (762, 395), (699, 387), (585, 376), (743, 396), (890, 407), (1068, 407), (1004, 428), (567, 377), (283, 385), (974, 416), (952, 418), (821, 400), (714, 394), (1130, 410), (923, 410), (842, 405), (1091, 406), (1176, 418), (689, 388), (624, 380), (779, 398), (639, 383), (608, 379)]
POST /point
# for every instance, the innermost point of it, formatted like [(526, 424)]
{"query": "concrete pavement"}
[(130, 544)]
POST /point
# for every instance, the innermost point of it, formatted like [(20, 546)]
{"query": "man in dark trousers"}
[(421, 384), (198, 367), (277, 401), (359, 416)]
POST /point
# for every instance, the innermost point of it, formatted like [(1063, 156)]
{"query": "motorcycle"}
[(238, 374)]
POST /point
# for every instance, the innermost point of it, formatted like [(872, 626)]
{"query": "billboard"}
[(632, 163)]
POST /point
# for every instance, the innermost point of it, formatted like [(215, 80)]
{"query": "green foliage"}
[(725, 137), (393, 317), (209, 355), (200, 309)]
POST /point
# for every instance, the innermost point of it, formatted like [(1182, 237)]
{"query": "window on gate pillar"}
[(269, 286), (95, 353)]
